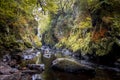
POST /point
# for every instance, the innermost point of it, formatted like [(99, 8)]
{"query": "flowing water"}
[(47, 55), (49, 74), (100, 75), (102, 72)]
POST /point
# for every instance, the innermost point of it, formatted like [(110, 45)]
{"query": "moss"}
[(89, 38), (17, 25), (25, 62), (79, 37), (28, 44)]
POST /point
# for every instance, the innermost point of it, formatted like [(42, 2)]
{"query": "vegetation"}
[(16, 24), (88, 26), (63, 35)]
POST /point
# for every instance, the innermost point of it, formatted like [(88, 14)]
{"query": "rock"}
[(14, 70), (30, 54), (36, 77), (6, 58), (3, 77), (8, 73), (118, 60), (66, 52), (15, 76), (13, 63), (28, 57), (39, 67), (76, 56), (31, 72), (72, 66), (12, 60), (47, 55), (5, 69), (26, 77)]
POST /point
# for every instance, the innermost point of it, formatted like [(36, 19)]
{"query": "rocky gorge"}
[(34, 63), (59, 40)]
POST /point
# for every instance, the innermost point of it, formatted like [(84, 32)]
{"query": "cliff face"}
[(86, 26), (17, 25)]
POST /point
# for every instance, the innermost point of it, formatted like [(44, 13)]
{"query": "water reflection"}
[(103, 73), (46, 57), (54, 75), (100, 75)]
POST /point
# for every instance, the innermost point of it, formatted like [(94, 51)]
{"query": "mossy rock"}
[(24, 63), (72, 66)]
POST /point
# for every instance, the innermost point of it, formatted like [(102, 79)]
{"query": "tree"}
[(16, 20)]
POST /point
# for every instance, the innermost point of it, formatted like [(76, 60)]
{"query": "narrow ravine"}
[(47, 55), (59, 40)]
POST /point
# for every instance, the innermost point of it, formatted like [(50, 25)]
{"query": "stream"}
[(47, 55)]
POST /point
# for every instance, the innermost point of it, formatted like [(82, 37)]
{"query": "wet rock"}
[(39, 67), (6, 58), (117, 63), (108, 68), (30, 54), (12, 60), (31, 72), (15, 76), (47, 55), (4, 77), (8, 73), (66, 52), (26, 77), (28, 57), (14, 70), (72, 66), (13, 63), (5, 69), (118, 60), (36, 77), (76, 56), (16, 57), (44, 47)]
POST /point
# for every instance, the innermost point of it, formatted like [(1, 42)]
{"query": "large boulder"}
[(71, 65)]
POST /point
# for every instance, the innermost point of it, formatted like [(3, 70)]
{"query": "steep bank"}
[(17, 26), (87, 27)]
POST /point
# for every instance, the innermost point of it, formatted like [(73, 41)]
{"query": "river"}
[(101, 72)]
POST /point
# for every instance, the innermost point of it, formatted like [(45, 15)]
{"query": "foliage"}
[(48, 5), (79, 38), (97, 39), (17, 24), (91, 26)]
